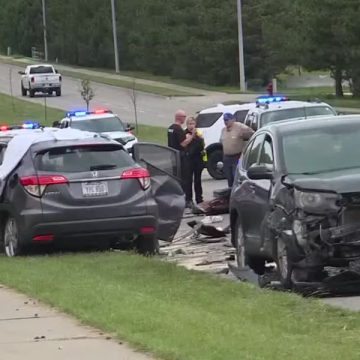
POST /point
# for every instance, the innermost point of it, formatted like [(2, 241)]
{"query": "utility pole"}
[(44, 26), (241, 48), (116, 51)]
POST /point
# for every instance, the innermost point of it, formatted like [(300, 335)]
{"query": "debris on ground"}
[(200, 246), (212, 219)]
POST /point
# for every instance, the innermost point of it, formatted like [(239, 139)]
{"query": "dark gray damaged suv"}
[(88, 189)]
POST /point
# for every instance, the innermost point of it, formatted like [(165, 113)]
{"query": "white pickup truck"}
[(40, 78)]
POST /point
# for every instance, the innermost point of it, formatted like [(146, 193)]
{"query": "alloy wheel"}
[(11, 240), (240, 247)]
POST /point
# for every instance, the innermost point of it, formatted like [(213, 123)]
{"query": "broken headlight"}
[(317, 202)]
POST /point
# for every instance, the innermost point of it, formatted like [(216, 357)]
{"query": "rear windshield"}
[(73, 159), (207, 120), (99, 125), (295, 113), (41, 70)]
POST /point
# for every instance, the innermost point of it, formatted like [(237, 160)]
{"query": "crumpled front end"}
[(329, 233)]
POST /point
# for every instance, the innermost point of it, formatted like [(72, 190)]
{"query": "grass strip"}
[(178, 314)]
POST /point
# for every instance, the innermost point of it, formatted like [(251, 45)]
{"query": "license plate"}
[(95, 189)]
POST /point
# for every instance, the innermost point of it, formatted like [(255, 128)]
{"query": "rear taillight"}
[(36, 185), (32, 79), (141, 174)]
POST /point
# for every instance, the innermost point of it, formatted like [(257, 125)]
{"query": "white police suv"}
[(278, 108), (101, 121), (210, 122)]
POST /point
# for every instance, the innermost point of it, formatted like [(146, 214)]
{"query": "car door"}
[(245, 195), (261, 194), (163, 163)]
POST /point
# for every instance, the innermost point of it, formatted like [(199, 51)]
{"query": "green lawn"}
[(178, 314), (14, 111)]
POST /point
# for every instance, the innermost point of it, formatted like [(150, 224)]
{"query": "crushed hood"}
[(342, 181)]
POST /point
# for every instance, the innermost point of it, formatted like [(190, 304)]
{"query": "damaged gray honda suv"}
[(296, 199), (72, 186)]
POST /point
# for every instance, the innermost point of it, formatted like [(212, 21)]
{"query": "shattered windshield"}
[(317, 150)]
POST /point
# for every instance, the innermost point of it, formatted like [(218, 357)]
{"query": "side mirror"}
[(254, 126), (56, 71), (130, 127), (260, 172), (21, 72), (56, 124)]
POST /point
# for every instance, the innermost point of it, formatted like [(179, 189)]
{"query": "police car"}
[(269, 109), (210, 122), (101, 121)]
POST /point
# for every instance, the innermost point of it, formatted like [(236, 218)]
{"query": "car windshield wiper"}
[(102, 167), (325, 170)]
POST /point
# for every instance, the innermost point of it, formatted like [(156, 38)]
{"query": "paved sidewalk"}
[(32, 331)]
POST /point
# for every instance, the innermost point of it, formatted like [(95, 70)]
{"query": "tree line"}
[(194, 40)]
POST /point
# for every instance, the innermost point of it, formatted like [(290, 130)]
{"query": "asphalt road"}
[(152, 109)]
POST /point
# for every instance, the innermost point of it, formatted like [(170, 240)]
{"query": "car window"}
[(254, 122), (160, 157), (253, 155), (295, 113), (2, 152), (249, 118), (41, 70), (315, 150), (266, 156), (207, 120), (246, 154), (83, 158), (240, 115), (319, 111)]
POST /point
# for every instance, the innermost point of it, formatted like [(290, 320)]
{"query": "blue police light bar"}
[(271, 99), (78, 113), (27, 124), (30, 124)]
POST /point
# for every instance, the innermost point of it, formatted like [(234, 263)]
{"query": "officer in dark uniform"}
[(179, 140), (194, 163)]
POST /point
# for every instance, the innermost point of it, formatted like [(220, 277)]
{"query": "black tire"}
[(147, 245), (58, 92), (12, 245), (242, 258), (214, 158), (32, 93), (23, 90), (284, 263)]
